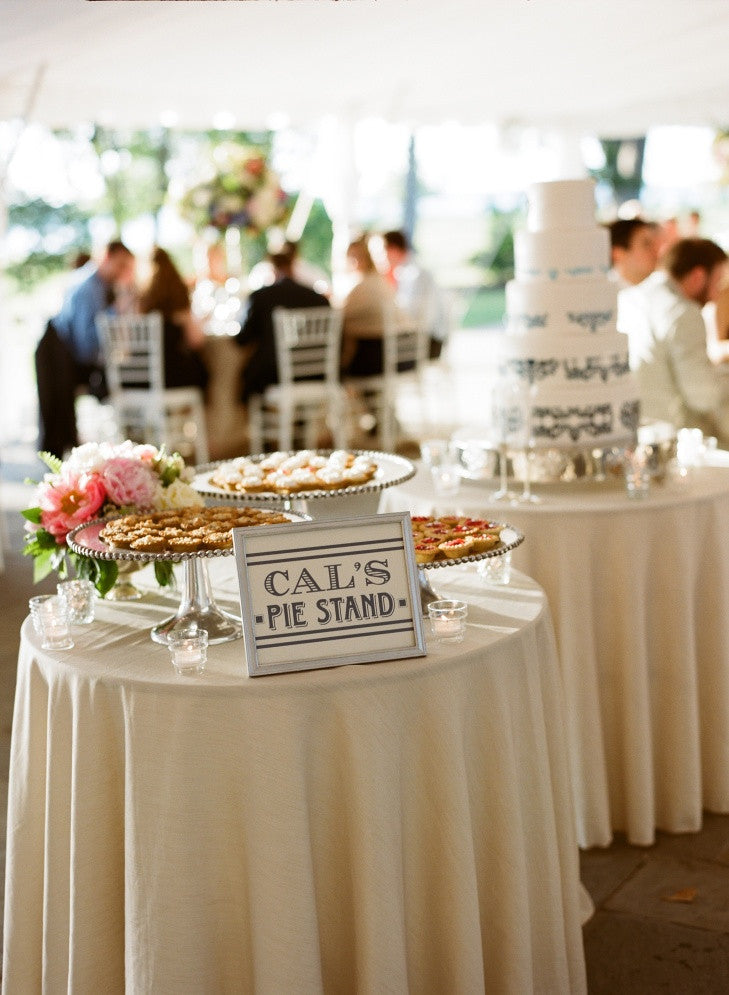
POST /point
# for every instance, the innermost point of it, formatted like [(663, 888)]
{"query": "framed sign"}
[(328, 593)]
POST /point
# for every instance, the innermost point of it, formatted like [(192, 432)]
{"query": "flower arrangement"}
[(96, 481), (239, 191)]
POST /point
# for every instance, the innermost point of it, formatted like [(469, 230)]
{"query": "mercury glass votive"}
[(448, 620), (78, 596), (189, 651), (495, 569)]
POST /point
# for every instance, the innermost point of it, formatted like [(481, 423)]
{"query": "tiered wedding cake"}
[(561, 337)]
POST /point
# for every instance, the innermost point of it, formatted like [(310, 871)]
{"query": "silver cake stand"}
[(197, 605), (509, 539), (357, 500)]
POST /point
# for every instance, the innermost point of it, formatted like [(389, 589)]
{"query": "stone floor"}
[(661, 922)]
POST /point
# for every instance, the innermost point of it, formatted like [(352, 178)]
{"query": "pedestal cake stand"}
[(355, 500), (197, 605), (509, 539)]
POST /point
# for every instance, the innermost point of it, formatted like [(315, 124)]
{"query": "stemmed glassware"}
[(526, 443), (507, 428)]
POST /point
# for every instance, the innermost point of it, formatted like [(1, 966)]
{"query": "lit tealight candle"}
[(188, 650), (448, 620)]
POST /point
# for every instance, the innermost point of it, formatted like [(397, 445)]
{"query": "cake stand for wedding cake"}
[(560, 348)]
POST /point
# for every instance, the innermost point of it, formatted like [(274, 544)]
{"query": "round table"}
[(400, 826), (638, 590)]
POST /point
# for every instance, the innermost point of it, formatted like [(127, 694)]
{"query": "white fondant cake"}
[(561, 338)]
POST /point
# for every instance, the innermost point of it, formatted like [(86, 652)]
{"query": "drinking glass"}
[(439, 455), (50, 621), (636, 472)]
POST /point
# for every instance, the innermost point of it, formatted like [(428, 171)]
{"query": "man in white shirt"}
[(416, 291), (667, 339), (633, 250)]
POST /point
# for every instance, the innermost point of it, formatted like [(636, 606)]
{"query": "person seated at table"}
[(257, 333), (633, 250), (183, 337), (304, 272), (367, 309), (416, 291), (663, 319)]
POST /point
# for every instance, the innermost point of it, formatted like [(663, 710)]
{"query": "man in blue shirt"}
[(69, 353), (90, 294)]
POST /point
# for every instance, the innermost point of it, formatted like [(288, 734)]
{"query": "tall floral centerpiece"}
[(98, 481), (236, 189)]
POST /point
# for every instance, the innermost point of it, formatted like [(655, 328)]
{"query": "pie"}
[(452, 537), (289, 473), (187, 530)]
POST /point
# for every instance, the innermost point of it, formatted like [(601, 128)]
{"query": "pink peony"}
[(68, 501), (128, 481)]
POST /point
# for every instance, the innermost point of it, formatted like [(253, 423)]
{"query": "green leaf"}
[(32, 515), (53, 463), (164, 573), (39, 542), (101, 573), (108, 571), (42, 566)]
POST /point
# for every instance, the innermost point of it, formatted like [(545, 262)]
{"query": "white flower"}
[(88, 458), (178, 495)]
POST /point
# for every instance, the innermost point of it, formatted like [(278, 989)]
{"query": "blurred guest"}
[(91, 293), (663, 319), (633, 250), (183, 337), (692, 228), (217, 297), (261, 368), (68, 356), (367, 309), (217, 264), (716, 317), (304, 272), (416, 291), (668, 233), (80, 259)]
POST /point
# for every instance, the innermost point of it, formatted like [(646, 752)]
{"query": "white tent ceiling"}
[(615, 67)]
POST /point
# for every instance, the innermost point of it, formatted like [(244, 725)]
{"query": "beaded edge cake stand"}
[(391, 471), (509, 538), (197, 605)]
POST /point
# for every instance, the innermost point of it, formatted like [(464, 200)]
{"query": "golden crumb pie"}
[(187, 530)]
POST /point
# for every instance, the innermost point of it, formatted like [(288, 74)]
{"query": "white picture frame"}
[(328, 593)]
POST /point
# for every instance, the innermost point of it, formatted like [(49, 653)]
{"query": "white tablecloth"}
[(638, 591), (398, 827)]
